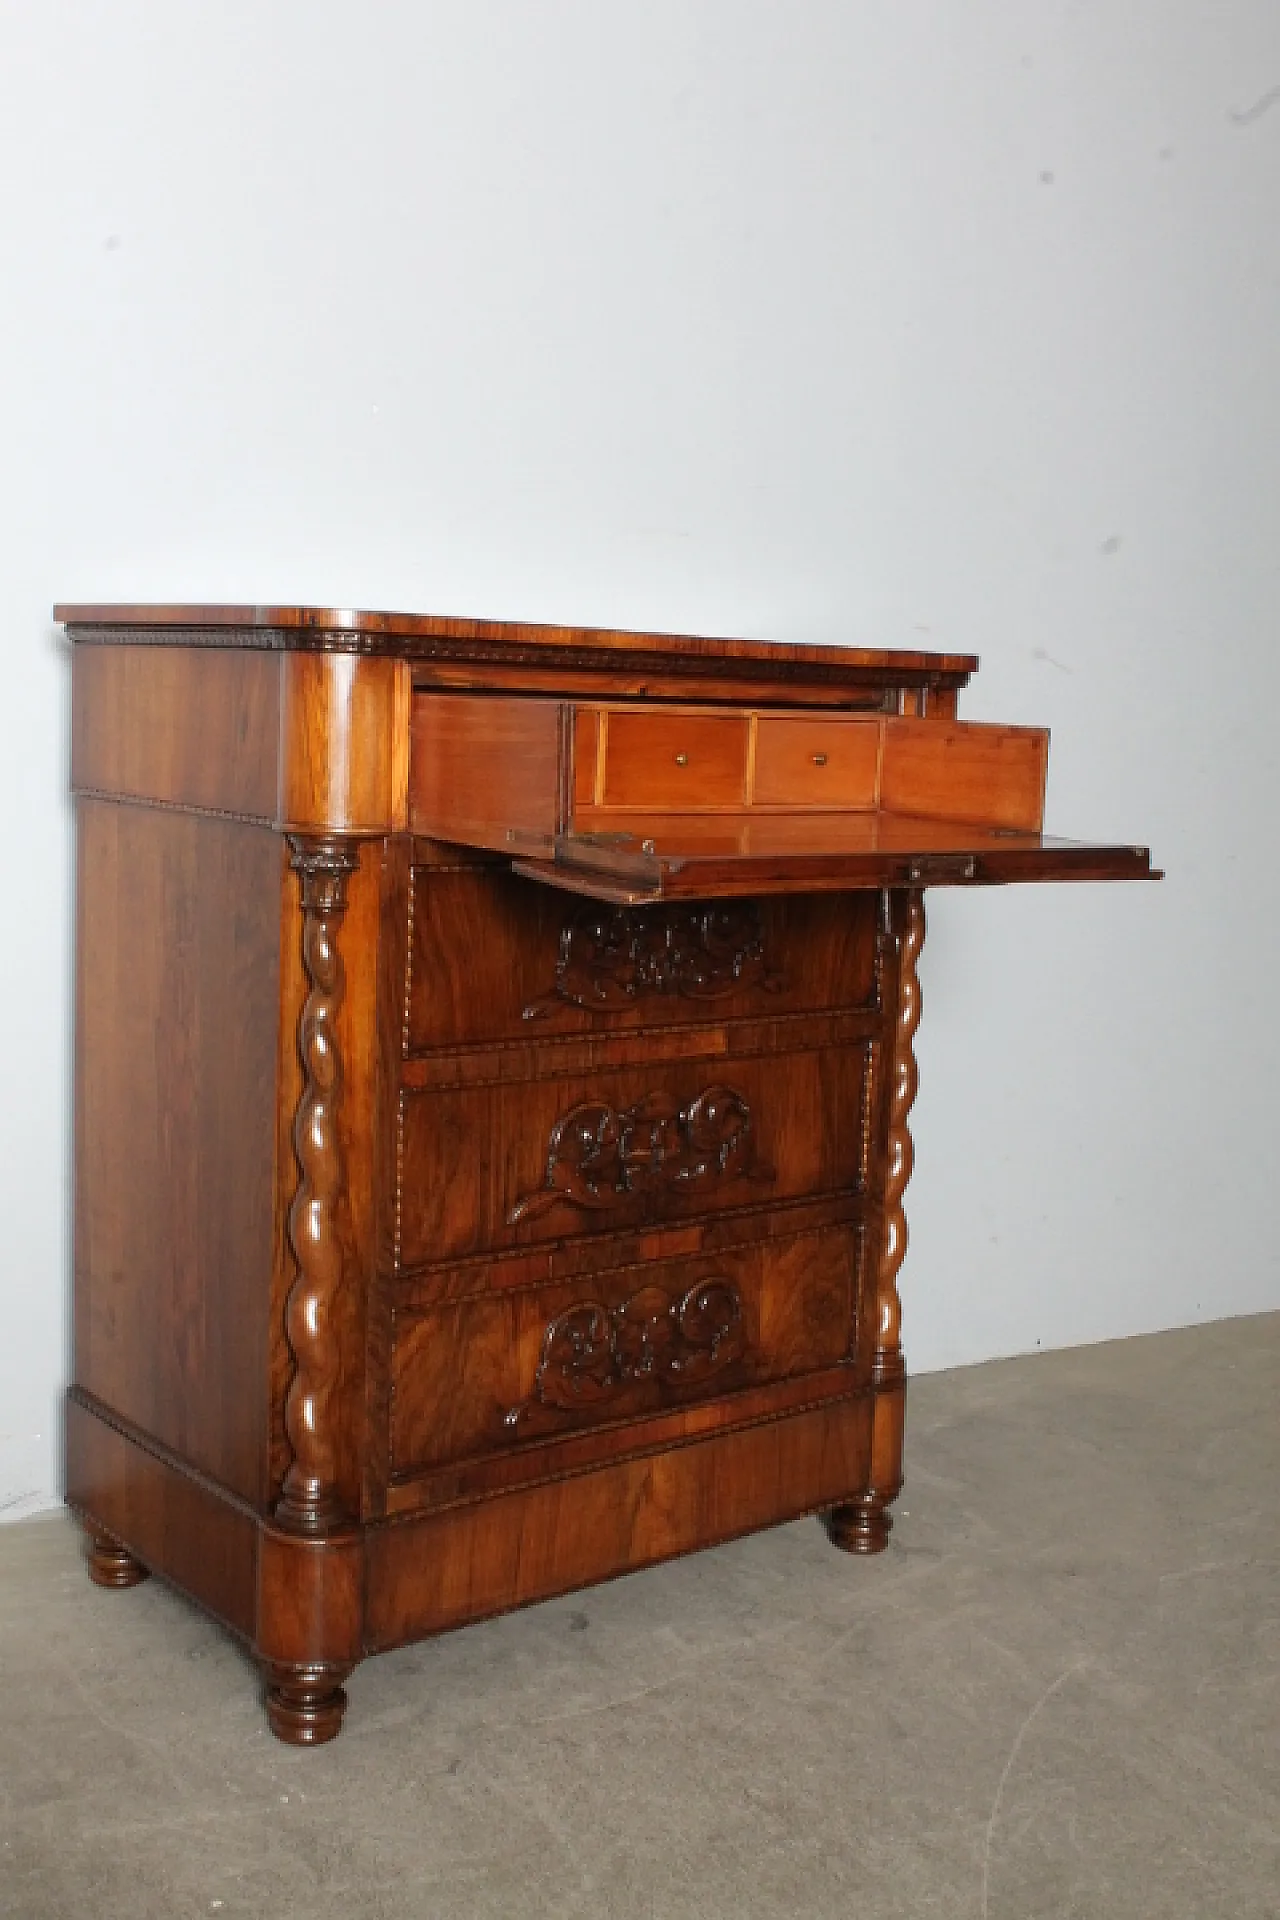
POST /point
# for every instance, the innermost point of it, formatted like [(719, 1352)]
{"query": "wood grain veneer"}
[(494, 1067), (177, 1004), (475, 1376)]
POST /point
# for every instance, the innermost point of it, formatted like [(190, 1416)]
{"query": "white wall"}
[(835, 320)]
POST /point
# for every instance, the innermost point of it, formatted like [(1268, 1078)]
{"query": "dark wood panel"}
[(497, 958), (572, 1056), (193, 728), (498, 1370), (455, 665), (552, 1458), (166, 1517), (177, 1009), (488, 1168), (554, 1261), (446, 1568)]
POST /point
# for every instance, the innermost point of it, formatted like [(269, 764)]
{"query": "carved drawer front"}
[(490, 1168), (486, 1374), (496, 958)]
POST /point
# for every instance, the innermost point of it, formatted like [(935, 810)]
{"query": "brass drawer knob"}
[(682, 759), (819, 759)]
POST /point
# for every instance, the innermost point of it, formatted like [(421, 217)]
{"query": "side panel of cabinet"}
[(186, 726), (177, 1012)]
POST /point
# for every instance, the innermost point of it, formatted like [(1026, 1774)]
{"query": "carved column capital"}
[(323, 863)]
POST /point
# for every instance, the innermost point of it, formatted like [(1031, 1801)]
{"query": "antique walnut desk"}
[(494, 1056)]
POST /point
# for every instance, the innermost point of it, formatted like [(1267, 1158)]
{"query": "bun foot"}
[(305, 1705), (859, 1526), (109, 1564)]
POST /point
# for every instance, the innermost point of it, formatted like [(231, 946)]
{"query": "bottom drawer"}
[(486, 1374)]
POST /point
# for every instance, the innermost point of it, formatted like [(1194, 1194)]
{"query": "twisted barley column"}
[(309, 1501), (908, 934), (861, 1523)]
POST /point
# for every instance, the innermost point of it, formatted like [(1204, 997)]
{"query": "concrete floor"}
[(1055, 1695)]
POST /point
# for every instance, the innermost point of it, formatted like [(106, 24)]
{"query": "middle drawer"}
[(491, 1168)]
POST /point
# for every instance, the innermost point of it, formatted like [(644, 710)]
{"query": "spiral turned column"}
[(904, 927), (861, 1525), (309, 1501)]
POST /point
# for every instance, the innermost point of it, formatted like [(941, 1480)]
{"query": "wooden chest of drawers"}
[(494, 1057)]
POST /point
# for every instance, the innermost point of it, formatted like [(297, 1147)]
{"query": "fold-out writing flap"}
[(681, 856)]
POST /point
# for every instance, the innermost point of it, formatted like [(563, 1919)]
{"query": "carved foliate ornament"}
[(595, 1355), (600, 1157), (612, 958)]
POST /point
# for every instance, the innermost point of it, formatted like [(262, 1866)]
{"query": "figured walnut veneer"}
[(495, 1055)]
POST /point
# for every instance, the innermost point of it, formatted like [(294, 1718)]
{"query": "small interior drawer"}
[(807, 761), (641, 803), (678, 761)]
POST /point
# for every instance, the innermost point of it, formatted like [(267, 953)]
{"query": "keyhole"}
[(819, 759), (682, 759)]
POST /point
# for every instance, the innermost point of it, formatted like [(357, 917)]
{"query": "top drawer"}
[(493, 959)]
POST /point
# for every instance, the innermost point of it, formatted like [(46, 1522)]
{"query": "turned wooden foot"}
[(860, 1526), (305, 1705), (109, 1564)]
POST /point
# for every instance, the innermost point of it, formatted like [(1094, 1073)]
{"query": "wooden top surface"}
[(340, 627)]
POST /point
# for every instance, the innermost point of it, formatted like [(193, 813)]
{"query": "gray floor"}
[(1056, 1695)]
